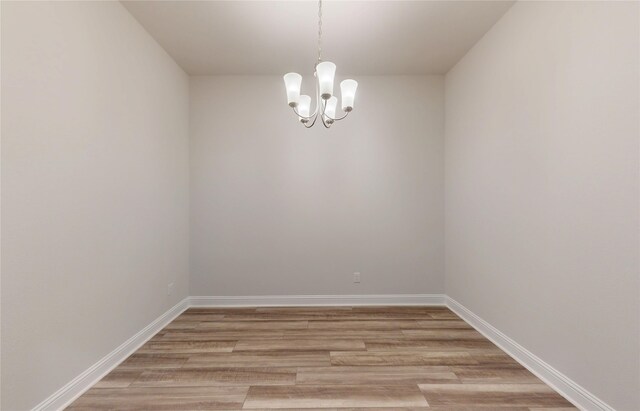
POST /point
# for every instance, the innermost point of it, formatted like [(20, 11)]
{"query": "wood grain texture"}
[(394, 358), (300, 396), (294, 344), (254, 325), (391, 344), (320, 358), (443, 334), (192, 377), (494, 395), (189, 347), (260, 359), (163, 399), (212, 335), (375, 375), (494, 373)]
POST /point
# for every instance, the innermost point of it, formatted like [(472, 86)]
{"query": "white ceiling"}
[(275, 37)]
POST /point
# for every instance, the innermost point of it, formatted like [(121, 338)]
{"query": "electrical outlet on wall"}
[(170, 289), (356, 277)]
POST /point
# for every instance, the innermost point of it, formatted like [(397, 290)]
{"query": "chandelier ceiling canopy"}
[(326, 101)]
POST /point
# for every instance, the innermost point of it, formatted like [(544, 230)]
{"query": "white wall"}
[(542, 188), (278, 209), (94, 185)]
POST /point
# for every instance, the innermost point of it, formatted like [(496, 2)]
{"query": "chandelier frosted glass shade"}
[(330, 110), (303, 108), (326, 71), (292, 82), (348, 90)]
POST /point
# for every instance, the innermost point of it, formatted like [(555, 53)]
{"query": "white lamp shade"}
[(326, 71), (304, 105), (348, 90), (293, 81), (330, 109)]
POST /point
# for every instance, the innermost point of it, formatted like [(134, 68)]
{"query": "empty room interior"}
[(320, 205)]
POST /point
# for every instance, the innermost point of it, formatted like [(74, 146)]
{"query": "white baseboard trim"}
[(76, 387), (317, 300), (565, 386)]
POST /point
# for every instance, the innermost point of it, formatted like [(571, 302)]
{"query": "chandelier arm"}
[(323, 115), (312, 123), (315, 118), (305, 117), (340, 118)]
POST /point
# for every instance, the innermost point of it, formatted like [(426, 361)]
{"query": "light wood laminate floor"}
[(337, 358)]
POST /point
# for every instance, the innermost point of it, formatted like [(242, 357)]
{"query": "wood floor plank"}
[(301, 396), (345, 316), (341, 334), (364, 325), (286, 313), (254, 325), (216, 377), (214, 335), (444, 324), (408, 375), (494, 395), (494, 374), (260, 359), (186, 347), (278, 317), (162, 399), (414, 309), (439, 334), (390, 344), (318, 309), (291, 345), (395, 358), (381, 316)]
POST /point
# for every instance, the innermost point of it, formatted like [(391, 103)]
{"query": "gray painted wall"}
[(94, 189), (542, 188), (279, 209)]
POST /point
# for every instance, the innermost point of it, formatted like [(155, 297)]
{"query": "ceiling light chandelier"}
[(326, 102)]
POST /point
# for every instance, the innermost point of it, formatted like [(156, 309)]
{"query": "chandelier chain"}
[(319, 30)]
